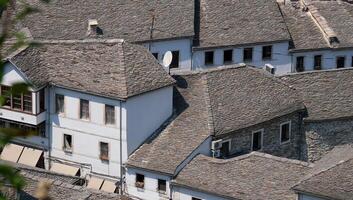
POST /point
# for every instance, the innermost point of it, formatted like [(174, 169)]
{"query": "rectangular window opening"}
[(257, 140), (140, 181), (104, 151), (267, 52), (162, 185), (247, 54), (285, 132), (6, 93), (228, 56), (84, 109), (300, 64), (209, 58), (317, 62), (155, 55), (175, 60), (27, 102), (340, 61), (59, 103), (109, 114), (67, 143)]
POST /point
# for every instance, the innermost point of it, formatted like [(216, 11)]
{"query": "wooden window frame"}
[(105, 115), (21, 96), (161, 190)]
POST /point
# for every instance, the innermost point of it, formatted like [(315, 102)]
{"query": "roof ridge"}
[(322, 171), (210, 124), (210, 70), (122, 63), (94, 40), (315, 72), (259, 154)]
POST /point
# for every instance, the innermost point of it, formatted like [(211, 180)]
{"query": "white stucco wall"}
[(328, 58), (181, 45), (180, 193), (150, 190), (86, 134), (280, 57), (146, 113)]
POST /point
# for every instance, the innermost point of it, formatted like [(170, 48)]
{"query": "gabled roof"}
[(332, 181), (249, 177), (309, 35), (214, 102), (110, 68), (327, 94), (128, 19), (240, 22)]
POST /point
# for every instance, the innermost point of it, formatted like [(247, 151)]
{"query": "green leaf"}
[(20, 41), (12, 177), (19, 88), (27, 10)]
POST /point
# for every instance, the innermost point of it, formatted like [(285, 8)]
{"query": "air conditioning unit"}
[(270, 68), (216, 144), (217, 154)]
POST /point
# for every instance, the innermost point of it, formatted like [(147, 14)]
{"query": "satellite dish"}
[(167, 59)]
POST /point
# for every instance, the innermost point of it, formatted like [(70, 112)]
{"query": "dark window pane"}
[(6, 93), (27, 102), (84, 109), (162, 185), (140, 181), (247, 54), (257, 141), (285, 132), (352, 62), (104, 151), (300, 64), (267, 52), (67, 142), (225, 149), (340, 61), (194, 198), (109, 114), (209, 57), (155, 55), (175, 59), (317, 62), (228, 56), (59, 103), (42, 100)]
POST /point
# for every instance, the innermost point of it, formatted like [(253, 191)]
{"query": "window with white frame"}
[(109, 114), (257, 140), (140, 181), (59, 103), (162, 185), (84, 109), (104, 151), (285, 132)]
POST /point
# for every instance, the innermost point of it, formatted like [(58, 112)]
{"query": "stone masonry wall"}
[(321, 137), (241, 140)]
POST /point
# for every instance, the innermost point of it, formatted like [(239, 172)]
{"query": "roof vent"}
[(93, 29)]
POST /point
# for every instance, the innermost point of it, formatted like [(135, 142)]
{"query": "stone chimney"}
[(93, 28)]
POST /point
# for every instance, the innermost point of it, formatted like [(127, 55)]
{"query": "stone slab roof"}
[(332, 182), (186, 131), (127, 19), (255, 176), (111, 68), (307, 34), (326, 94), (240, 22), (214, 102)]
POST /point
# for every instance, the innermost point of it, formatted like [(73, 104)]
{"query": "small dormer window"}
[(93, 28)]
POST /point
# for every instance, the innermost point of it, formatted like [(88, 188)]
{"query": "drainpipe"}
[(121, 148), (49, 125)]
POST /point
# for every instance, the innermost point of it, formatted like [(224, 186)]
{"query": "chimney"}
[(93, 29)]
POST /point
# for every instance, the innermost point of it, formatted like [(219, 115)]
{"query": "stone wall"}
[(241, 139), (323, 136)]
